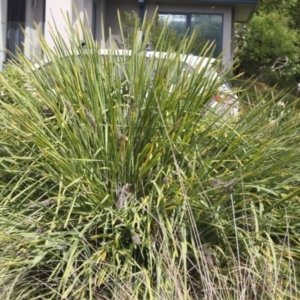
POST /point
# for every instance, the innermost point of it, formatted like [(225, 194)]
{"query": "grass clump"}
[(115, 183)]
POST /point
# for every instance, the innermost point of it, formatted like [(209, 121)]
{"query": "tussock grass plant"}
[(118, 184)]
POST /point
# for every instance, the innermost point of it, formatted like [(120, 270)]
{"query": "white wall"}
[(82, 12), (53, 11)]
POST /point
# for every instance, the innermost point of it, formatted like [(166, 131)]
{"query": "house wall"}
[(34, 26), (111, 17), (106, 15), (82, 11), (93, 20), (129, 6), (100, 22), (54, 18)]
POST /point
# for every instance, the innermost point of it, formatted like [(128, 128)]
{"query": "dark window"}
[(209, 26), (15, 23)]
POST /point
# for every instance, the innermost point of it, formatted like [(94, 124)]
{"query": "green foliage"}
[(288, 8), (13, 77), (268, 46), (293, 12), (268, 6), (118, 184)]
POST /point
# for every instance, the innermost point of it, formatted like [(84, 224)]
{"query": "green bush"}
[(115, 183), (268, 49), (12, 77)]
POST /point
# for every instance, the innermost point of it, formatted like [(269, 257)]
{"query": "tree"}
[(268, 46), (288, 8)]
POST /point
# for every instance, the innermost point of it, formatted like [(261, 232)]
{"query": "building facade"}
[(215, 17)]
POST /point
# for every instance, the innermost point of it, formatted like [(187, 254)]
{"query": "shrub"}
[(268, 49), (116, 185)]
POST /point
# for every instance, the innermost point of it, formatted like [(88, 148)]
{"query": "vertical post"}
[(3, 26)]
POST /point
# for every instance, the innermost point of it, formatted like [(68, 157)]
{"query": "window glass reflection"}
[(208, 26), (177, 22)]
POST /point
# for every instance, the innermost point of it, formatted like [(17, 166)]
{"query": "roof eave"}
[(243, 12)]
